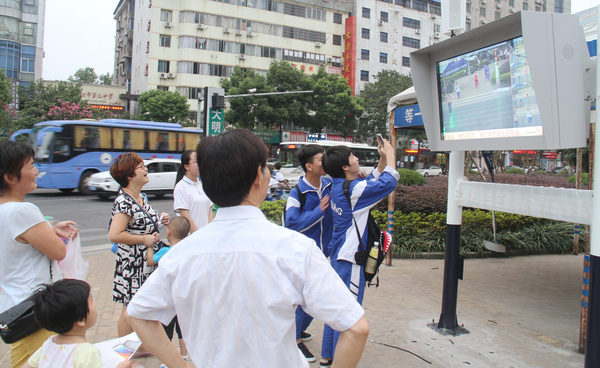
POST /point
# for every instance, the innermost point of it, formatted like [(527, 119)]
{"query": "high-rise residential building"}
[(22, 41), (184, 46)]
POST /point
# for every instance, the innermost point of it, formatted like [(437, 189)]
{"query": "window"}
[(163, 66), (366, 13), (406, 61), (525, 6), (411, 42), (404, 3), (383, 17), (436, 27), (366, 33), (337, 18), (435, 9), (162, 88), (383, 57), (364, 54), (497, 15), (538, 8), (166, 15), (27, 59), (468, 7), (364, 75), (165, 41), (482, 12), (337, 40), (383, 37), (419, 5), (511, 3), (411, 23)]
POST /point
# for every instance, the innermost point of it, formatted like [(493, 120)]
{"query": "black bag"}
[(374, 234), (18, 322)]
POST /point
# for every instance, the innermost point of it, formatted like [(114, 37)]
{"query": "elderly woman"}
[(29, 245), (189, 199), (134, 227)]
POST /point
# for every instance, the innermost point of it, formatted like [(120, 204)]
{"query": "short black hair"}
[(185, 160), (229, 164), (277, 165), (13, 156), (58, 306), (334, 160), (307, 153), (179, 227)]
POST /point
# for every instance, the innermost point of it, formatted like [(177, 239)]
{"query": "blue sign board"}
[(408, 117)]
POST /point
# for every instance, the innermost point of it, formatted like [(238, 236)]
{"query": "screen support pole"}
[(453, 261), (592, 353)]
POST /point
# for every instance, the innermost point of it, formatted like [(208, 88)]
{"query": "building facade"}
[(22, 41), (187, 45)]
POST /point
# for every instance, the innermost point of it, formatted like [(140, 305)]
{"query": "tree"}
[(38, 99), (376, 96), (5, 89), (85, 75), (247, 112), (167, 106), (106, 79)]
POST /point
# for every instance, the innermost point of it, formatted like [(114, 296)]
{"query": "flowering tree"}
[(68, 111)]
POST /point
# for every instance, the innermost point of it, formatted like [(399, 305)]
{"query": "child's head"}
[(178, 229), (61, 305), (311, 154)]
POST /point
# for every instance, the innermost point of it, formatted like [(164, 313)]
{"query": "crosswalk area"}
[(94, 239)]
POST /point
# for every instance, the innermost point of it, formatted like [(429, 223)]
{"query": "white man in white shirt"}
[(233, 286)]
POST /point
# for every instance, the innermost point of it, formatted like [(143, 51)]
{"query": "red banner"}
[(350, 52)]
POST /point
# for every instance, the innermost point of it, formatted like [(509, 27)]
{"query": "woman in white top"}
[(29, 245), (190, 201)]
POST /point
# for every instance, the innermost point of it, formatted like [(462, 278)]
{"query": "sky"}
[(81, 33)]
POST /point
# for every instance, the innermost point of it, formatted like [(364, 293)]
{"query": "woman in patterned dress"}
[(134, 227)]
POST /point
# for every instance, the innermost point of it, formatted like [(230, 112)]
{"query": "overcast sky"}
[(81, 33)]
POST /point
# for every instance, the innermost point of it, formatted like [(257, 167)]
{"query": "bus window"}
[(190, 141), (104, 138), (62, 149), (172, 140), (159, 141), (92, 137), (138, 139), (42, 153), (121, 139)]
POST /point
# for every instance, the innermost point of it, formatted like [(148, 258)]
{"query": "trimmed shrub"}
[(410, 177), (273, 210), (584, 179), (514, 170)]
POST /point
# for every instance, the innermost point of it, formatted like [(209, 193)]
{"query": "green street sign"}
[(215, 122)]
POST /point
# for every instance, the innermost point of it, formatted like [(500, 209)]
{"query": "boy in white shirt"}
[(67, 308)]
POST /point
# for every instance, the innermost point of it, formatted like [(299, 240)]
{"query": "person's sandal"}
[(325, 362)]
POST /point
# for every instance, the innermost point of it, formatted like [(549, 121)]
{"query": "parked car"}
[(430, 171), (161, 174)]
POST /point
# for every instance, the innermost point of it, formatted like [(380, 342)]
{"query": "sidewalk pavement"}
[(521, 312)]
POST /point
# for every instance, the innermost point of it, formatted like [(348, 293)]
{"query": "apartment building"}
[(22, 41), (186, 45)]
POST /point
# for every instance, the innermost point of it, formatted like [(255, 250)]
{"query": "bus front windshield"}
[(42, 153)]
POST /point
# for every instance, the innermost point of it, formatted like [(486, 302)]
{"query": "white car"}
[(430, 171), (161, 174)]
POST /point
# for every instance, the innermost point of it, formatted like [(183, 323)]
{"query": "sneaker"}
[(307, 354), (305, 336), (325, 362)]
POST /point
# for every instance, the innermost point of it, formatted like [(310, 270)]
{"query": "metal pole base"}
[(456, 331)]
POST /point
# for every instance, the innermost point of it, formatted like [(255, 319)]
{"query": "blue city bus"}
[(68, 152)]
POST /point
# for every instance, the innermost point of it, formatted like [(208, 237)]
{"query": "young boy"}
[(341, 164), (177, 230), (67, 308), (307, 212)]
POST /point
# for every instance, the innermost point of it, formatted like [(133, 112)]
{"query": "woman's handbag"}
[(18, 322)]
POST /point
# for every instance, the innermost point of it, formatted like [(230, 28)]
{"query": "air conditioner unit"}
[(226, 30), (468, 17), (238, 33), (433, 16), (417, 31), (163, 75), (483, 21), (512, 10), (540, 2), (201, 26), (483, 2), (242, 56), (498, 6), (168, 24), (318, 44), (250, 34), (329, 60), (380, 23), (437, 35), (171, 75)]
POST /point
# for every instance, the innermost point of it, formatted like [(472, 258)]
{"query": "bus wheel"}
[(83, 181), (67, 190)]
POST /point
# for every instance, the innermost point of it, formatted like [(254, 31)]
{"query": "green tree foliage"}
[(106, 79), (5, 92), (167, 106), (331, 104), (38, 99), (85, 75), (376, 96)]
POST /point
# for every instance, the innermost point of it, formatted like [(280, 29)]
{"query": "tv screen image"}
[(488, 93)]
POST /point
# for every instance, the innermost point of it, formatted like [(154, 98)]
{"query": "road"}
[(90, 213)]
